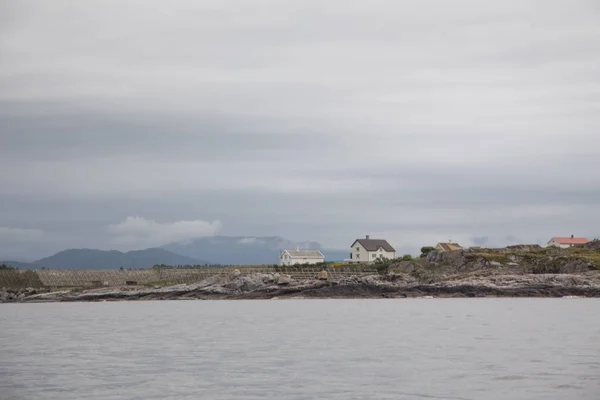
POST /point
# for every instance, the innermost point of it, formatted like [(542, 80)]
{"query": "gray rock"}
[(370, 280), (270, 278), (284, 279), (246, 283)]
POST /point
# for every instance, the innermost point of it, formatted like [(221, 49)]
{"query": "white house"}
[(368, 250), (565, 242), (293, 257)]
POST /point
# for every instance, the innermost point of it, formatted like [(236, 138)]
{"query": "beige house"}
[(367, 250), (294, 257), (448, 246), (565, 242)]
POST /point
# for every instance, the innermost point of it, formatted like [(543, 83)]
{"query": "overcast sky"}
[(132, 124)]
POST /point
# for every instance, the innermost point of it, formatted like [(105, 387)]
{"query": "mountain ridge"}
[(114, 259)]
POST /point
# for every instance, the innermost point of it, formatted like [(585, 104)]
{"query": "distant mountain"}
[(101, 259), (245, 250)]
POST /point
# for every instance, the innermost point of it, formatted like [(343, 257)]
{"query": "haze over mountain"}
[(240, 250), (113, 259)]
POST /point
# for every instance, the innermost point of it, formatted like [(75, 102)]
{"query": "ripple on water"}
[(511, 378), (568, 387)]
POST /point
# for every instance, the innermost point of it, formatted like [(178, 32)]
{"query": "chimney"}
[(571, 236), (367, 237)]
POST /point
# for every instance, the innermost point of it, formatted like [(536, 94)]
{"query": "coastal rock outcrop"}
[(13, 295)]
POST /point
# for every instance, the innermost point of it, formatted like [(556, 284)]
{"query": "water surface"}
[(302, 349)]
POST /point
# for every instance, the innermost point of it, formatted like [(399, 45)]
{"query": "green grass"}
[(550, 256), (593, 256)]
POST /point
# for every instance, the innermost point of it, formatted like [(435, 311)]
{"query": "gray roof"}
[(375, 244), (305, 253)]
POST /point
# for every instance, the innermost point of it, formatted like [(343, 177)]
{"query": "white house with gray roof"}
[(367, 250), (293, 257)]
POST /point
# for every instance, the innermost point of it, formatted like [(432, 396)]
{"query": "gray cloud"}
[(134, 231), (417, 121)]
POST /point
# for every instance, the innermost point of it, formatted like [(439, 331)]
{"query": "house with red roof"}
[(565, 242)]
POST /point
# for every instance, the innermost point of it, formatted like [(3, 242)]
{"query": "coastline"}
[(274, 286), (517, 271)]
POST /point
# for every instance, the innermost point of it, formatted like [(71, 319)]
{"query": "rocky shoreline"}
[(515, 271), (276, 286)]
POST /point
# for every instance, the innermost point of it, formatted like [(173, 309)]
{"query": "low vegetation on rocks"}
[(436, 266)]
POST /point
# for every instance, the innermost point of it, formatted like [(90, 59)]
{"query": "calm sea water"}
[(303, 349)]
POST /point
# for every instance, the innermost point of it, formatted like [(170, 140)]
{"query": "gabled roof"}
[(304, 253), (450, 246), (570, 240), (374, 244)]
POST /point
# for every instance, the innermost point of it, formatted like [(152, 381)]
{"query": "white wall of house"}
[(286, 259), (381, 253), (554, 243), (361, 255)]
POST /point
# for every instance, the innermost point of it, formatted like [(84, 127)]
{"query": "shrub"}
[(426, 250)]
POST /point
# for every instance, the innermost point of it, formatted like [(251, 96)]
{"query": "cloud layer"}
[(418, 121), (136, 231), (18, 235)]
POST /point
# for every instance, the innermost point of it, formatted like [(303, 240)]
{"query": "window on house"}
[(357, 256), (358, 249), (351, 256)]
